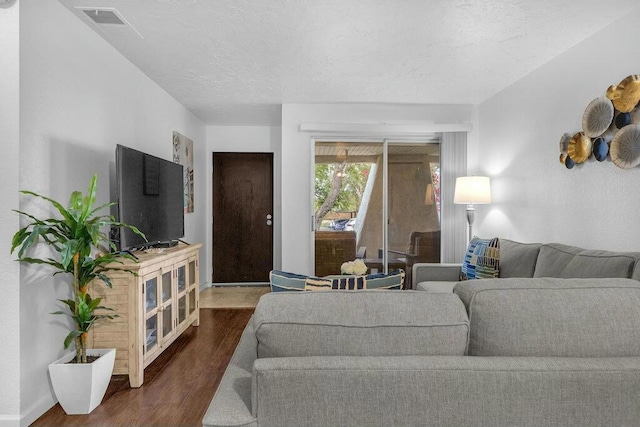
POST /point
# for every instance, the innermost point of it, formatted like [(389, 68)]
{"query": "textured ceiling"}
[(234, 62)]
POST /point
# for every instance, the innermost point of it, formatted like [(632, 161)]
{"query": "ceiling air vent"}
[(107, 21), (103, 16)]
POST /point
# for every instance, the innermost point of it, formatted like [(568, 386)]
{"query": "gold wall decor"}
[(580, 147), (626, 95), (603, 120)]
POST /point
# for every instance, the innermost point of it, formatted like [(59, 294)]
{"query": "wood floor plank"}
[(178, 385)]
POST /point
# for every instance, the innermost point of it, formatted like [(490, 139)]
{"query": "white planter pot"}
[(80, 387)]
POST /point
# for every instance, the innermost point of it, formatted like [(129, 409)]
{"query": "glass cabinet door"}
[(193, 283), (151, 294), (167, 320), (167, 291), (192, 272), (192, 300), (166, 303), (167, 310), (184, 273), (182, 309), (151, 328), (181, 273)]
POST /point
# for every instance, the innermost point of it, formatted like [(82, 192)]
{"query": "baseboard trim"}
[(204, 286), (9, 420), (31, 414)]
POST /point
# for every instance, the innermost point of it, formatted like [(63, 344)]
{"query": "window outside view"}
[(348, 205)]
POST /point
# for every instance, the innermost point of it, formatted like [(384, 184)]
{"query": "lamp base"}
[(471, 213)]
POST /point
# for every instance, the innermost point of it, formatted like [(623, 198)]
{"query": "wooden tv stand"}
[(154, 307)]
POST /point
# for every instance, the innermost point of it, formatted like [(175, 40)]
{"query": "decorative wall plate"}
[(622, 120), (625, 147), (635, 115), (597, 117), (626, 95), (564, 143), (600, 149), (580, 147), (569, 163)]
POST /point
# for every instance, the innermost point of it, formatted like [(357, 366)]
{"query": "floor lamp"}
[(472, 190)]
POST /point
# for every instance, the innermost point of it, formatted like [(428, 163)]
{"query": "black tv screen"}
[(149, 196)]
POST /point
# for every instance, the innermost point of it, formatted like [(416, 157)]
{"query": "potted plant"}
[(85, 252)]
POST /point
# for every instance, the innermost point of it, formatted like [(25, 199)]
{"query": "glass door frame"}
[(385, 141)]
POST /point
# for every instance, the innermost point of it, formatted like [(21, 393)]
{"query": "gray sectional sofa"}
[(536, 260), (495, 352)]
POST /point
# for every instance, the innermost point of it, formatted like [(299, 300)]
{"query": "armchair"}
[(424, 247)]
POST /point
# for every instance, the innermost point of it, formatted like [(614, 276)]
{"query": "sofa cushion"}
[(365, 323), (518, 259), (482, 259), (558, 260), (436, 286), (553, 317)]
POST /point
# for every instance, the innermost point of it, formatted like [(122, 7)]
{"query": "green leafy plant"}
[(84, 251)]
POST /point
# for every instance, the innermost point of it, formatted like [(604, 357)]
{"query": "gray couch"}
[(536, 260), (498, 352)]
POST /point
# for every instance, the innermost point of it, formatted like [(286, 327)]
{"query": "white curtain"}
[(453, 163)]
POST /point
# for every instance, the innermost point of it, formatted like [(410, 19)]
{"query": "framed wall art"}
[(183, 154)]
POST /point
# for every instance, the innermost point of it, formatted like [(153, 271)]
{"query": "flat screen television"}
[(149, 192)]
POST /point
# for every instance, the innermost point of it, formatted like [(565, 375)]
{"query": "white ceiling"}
[(234, 62)]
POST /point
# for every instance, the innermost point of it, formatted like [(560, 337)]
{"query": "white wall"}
[(594, 205), (9, 269), (245, 139), (297, 150), (78, 98)]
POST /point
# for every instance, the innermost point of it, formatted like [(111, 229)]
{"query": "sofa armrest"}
[(436, 272), (446, 390), (231, 405)]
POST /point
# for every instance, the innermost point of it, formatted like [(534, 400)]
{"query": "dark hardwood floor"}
[(178, 385)]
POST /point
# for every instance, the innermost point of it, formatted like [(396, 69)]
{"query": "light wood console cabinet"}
[(154, 307)]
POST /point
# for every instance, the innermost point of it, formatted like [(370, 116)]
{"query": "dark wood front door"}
[(242, 217)]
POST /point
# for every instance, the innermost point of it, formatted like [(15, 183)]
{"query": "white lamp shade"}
[(472, 190)]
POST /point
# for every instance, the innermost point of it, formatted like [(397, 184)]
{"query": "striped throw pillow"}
[(393, 280), (283, 281), (482, 259)]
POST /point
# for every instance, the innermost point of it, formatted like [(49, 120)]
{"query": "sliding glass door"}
[(347, 203), (376, 200)]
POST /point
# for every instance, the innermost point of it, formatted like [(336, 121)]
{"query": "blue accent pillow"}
[(482, 260), (284, 281)]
